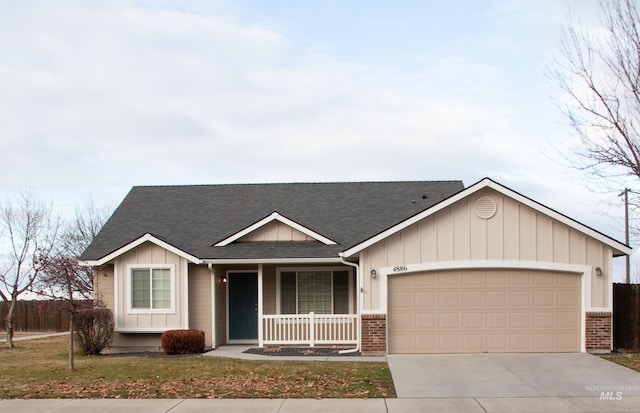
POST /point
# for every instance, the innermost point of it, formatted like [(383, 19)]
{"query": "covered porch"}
[(284, 304)]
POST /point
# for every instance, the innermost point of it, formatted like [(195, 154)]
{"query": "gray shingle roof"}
[(194, 218)]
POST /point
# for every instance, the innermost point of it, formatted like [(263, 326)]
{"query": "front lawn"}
[(38, 369), (631, 360)]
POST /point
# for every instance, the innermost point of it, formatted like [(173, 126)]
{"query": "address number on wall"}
[(400, 268)]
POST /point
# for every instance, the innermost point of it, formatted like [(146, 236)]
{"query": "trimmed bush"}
[(183, 341), (93, 328)]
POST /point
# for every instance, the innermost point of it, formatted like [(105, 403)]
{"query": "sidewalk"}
[(469, 405), (20, 337)]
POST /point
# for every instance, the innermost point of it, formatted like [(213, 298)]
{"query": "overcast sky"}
[(96, 97)]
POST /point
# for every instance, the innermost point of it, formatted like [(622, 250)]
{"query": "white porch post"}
[(260, 307)]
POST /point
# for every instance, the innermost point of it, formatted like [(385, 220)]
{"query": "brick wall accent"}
[(374, 333), (598, 332)]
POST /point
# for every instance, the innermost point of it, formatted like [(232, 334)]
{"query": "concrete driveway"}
[(510, 375)]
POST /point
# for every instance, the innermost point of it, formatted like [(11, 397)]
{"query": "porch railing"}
[(310, 329)]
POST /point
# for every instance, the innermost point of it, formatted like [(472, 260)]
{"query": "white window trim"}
[(280, 270), (128, 292)]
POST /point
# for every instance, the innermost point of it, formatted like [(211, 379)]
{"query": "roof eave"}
[(137, 242), (619, 249)]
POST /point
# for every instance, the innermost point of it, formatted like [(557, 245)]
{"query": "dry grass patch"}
[(37, 369), (631, 360)]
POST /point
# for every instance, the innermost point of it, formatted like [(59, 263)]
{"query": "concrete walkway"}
[(445, 405), (530, 375), (238, 352)]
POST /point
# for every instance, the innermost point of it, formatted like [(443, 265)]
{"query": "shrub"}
[(183, 341), (93, 329)]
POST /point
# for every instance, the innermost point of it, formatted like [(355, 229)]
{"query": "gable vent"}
[(485, 207)]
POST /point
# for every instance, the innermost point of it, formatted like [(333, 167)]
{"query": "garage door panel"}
[(472, 299), (473, 343), (472, 321), (568, 319), (520, 342), (450, 343), (402, 321), (448, 299), (496, 342), (426, 300), (496, 279), (520, 299), (479, 311), (543, 279), (520, 320), (496, 320), (543, 298), (449, 321), (472, 279), (496, 299), (425, 321), (544, 320), (544, 342), (568, 342), (568, 298)]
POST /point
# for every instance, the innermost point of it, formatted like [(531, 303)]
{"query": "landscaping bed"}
[(287, 351)]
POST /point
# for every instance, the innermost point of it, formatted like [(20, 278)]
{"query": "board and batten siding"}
[(275, 231), (516, 232), (200, 311), (149, 254)]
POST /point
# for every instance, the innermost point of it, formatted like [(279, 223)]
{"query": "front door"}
[(243, 306)]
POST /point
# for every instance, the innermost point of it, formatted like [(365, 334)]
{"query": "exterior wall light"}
[(223, 278), (599, 271), (374, 274)]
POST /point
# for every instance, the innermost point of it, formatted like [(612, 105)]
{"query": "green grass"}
[(38, 369)]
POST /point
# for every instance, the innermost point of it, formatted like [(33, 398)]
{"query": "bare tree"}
[(29, 235), (599, 74), (63, 277)]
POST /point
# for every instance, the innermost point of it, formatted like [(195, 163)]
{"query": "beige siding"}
[(269, 289), (149, 254), (275, 231), (515, 232), (103, 285), (200, 311)]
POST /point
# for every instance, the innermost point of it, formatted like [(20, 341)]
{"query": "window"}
[(320, 291), (151, 288)]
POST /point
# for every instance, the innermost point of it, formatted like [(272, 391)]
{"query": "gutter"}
[(358, 305)]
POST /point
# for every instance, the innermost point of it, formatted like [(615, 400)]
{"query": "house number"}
[(400, 268)]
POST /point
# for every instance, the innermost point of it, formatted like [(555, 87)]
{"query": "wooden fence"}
[(37, 315), (626, 317)]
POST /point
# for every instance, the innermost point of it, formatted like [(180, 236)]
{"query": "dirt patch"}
[(300, 351)]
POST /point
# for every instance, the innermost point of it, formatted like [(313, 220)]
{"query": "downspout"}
[(213, 306), (358, 305)]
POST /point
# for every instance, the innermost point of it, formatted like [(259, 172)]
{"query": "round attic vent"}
[(485, 207)]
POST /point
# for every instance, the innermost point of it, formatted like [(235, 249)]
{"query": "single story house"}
[(388, 267)]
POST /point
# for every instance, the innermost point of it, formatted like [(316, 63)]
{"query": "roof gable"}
[(195, 218), (618, 247), (139, 241), (269, 219)]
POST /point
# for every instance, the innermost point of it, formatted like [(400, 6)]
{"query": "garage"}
[(484, 310)]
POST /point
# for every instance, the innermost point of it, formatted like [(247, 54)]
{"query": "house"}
[(397, 267)]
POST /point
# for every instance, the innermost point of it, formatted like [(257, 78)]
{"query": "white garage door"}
[(484, 311)]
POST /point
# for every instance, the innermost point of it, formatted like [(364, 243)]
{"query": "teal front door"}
[(243, 306)]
